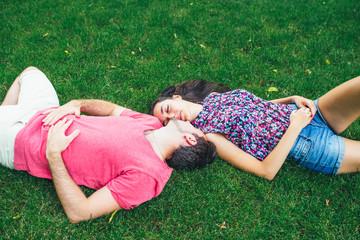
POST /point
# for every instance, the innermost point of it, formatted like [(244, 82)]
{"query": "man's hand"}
[(76, 205), (53, 115), (57, 141)]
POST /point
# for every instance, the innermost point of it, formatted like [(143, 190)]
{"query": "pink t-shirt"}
[(110, 151)]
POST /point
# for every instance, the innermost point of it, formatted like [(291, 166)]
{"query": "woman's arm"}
[(299, 101), (269, 167), (92, 107), (286, 100)]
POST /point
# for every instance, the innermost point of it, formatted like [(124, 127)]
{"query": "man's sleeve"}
[(133, 188), (130, 113), (143, 117)]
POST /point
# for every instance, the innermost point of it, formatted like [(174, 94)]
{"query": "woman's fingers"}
[(311, 105), (307, 111)]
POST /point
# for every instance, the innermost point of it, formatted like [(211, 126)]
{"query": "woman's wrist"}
[(293, 99), (295, 127)]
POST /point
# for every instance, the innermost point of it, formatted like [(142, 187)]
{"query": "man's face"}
[(186, 127)]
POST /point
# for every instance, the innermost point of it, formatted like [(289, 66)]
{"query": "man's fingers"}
[(53, 118), (77, 113), (74, 134), (50, 130), (59, 124), (48, 111), (49, 119), (66, 124)]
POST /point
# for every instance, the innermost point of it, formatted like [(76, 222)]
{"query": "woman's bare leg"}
[(341, 106), (351, 161), (12, 94)]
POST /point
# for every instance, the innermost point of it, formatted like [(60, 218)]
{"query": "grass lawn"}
[(128, 51)]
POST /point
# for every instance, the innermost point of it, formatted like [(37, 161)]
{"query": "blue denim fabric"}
[(318, 147)]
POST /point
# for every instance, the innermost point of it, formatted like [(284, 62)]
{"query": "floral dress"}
[(251, 123)]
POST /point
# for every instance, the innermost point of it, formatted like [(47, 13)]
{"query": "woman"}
[(258, 135)]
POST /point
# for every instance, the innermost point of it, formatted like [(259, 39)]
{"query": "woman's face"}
[(171, 108)]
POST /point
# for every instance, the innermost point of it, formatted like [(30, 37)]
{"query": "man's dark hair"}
[(191, 157), (193, 91)]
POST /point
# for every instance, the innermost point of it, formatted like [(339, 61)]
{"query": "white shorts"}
[(36, 93)]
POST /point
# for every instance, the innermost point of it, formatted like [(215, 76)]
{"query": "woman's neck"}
[(194, 110)]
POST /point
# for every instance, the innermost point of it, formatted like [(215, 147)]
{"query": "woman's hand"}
[(54, 115), (301, 117), (304, 102)]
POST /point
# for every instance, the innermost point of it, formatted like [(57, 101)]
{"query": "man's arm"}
[(92, 107), (76, 205)]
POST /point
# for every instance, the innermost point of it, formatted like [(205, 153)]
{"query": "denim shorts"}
[(318, 147)]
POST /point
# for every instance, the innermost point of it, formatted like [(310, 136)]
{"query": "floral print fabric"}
[(251, 123)]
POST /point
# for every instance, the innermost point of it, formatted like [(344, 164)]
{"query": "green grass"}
[(128, 51)]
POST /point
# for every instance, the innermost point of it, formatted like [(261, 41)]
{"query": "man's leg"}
[(30, 92), (12, 95)]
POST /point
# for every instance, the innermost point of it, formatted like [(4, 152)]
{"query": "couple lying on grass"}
[(128, 156)]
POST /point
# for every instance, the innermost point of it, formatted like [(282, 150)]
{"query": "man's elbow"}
[(75, 218)]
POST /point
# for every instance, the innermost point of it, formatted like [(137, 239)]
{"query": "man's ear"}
[(176, 97), (190, 139)]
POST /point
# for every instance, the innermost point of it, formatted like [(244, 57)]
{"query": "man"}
[(119, 152)]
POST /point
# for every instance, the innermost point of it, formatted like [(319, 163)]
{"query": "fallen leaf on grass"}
[(16, 217), (349, 132), (222, 225), (272, 89), (327, 202), (112, 215)]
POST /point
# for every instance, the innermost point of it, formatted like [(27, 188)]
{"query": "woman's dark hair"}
[(191, 157), (192, 91)]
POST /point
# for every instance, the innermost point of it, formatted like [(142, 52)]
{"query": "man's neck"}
[(161, 145)]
